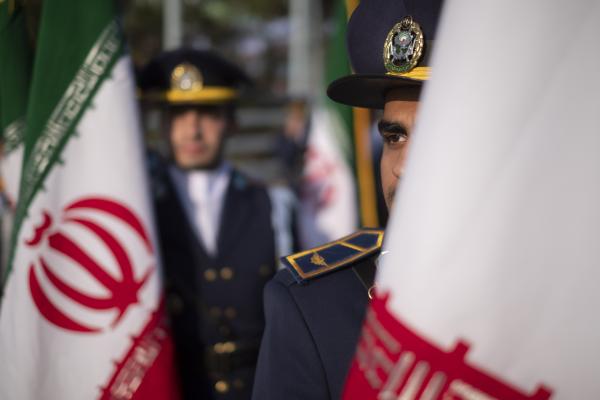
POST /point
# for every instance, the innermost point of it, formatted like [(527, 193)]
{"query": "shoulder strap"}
[(333, 256)]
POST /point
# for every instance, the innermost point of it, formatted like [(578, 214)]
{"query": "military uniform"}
[(214, 293), (314, 309)]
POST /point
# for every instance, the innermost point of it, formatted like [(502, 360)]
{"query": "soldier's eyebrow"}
[(386, 127)]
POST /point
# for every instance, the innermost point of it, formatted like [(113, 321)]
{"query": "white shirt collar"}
[(202, 194)]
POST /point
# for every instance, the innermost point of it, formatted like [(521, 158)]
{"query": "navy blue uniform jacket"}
[(215, 302), (311, 333)]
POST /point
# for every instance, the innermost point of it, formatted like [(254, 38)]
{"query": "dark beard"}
[(391, 193)]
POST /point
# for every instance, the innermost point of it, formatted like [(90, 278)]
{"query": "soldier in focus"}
[(214, 225), (315, 307)]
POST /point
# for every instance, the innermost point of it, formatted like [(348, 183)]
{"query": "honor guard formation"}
[(179, 214)]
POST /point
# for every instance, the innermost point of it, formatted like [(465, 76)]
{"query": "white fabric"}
[(494, 236), (202, 193)]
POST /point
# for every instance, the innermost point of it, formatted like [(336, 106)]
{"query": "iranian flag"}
[(15, 73), (82, 316), (491, 285)]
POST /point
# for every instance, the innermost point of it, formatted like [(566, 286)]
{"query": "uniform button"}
[(264, 270), (230, 312), (215, 312), (226, 273), (238, 383), (224, 347), (229, 347), (210, 275), (218, 348), (222, 386)]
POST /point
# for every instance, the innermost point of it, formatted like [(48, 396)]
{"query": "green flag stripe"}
[(337, 65), (67, 113), (15, 73), (63, 120)]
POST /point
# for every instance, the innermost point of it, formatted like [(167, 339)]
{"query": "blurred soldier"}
[(315, 307), (214, 226)]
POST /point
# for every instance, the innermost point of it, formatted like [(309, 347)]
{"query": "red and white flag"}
[(491, 286), (82, 312)]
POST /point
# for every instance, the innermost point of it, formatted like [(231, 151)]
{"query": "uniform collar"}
[(366, 272)]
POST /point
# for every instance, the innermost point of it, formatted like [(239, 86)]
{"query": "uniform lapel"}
[(179, 229), (365, 272), (236, 211)]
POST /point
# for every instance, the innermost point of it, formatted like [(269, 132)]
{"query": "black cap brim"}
[(369, 90)]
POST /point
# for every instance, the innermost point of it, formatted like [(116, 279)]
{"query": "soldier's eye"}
[(392, 138), (392, 132)]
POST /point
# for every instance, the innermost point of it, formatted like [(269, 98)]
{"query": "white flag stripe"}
[(494, 235)]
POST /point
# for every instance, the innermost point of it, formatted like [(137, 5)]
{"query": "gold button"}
[(218, 348), (226, 273), (229, 347), (222, 386), (210, 275), (238, 383), (265, 270), (224, 347), (215, 312), (230, 312)]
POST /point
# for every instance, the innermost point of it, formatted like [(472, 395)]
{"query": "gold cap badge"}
[(186, 77), (403, 47)]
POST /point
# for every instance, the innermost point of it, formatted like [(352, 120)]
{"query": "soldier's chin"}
[(198, 163)]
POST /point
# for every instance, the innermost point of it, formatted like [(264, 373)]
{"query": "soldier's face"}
[(395, 128), (196, 136)]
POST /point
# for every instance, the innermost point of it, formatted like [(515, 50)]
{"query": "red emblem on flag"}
[(117, 277), (393, 362)]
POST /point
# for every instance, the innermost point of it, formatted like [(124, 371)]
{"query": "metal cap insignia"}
[(186, 77), (403, 46)]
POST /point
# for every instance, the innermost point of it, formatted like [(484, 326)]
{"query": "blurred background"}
[(281, 44), (320, 158)]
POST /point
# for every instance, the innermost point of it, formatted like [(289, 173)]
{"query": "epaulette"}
[(333, 256)]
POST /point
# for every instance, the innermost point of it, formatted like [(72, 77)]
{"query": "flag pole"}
[(172, 24)]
